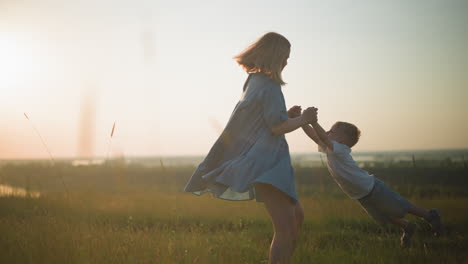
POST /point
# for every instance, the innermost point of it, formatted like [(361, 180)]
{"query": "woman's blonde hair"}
[(267, 55)]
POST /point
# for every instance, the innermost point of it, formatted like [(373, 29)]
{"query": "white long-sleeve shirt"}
[(353, 180)]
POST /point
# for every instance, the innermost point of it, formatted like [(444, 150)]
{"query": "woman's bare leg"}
[(299, 214), (282, 211)]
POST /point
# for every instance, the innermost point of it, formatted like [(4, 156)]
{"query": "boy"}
[(379, 201)]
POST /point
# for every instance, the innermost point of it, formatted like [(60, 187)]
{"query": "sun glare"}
[(16, 63)]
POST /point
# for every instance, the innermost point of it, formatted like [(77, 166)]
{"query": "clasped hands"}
[(309, 114)]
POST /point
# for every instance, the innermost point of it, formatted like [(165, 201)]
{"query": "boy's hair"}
[(351, 132), (267, 55)]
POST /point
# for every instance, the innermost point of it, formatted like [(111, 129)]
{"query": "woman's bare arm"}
[(289, 125), (309, 115)]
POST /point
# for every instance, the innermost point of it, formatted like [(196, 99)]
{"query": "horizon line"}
[(201, 155)]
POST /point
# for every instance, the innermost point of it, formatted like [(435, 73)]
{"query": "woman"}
[(251, 157)]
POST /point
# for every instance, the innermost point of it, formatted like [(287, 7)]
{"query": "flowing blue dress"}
[(247, 152)]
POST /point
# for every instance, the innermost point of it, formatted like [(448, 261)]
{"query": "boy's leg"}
[(401, 222), (408, 231), (431, 216), (436, 222), (418, 211)]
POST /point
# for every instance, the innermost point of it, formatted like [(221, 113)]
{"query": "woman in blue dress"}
[(251, 157)]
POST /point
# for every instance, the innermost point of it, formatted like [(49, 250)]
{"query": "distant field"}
[(118, 213)]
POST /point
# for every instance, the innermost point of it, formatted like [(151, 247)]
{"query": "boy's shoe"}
[(408, 232), (436, 222)]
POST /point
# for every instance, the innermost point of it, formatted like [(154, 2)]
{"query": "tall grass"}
[(131, 214)]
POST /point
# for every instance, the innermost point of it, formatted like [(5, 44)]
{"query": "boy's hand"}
[(310, 114), (294, 111)]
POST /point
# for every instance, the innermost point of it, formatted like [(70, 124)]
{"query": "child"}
[(379, 201)]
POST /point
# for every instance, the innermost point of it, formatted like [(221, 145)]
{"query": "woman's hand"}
[(294, 111)]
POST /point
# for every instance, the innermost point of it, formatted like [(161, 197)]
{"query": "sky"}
[(163, 71)]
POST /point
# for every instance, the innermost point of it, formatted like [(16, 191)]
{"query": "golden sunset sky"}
[(163, 70)]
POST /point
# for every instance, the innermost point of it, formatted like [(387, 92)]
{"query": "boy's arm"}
[(291, 124), (295, 111), (310, 131), (322, 135)]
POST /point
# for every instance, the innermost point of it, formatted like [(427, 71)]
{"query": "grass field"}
[(123, 214)]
